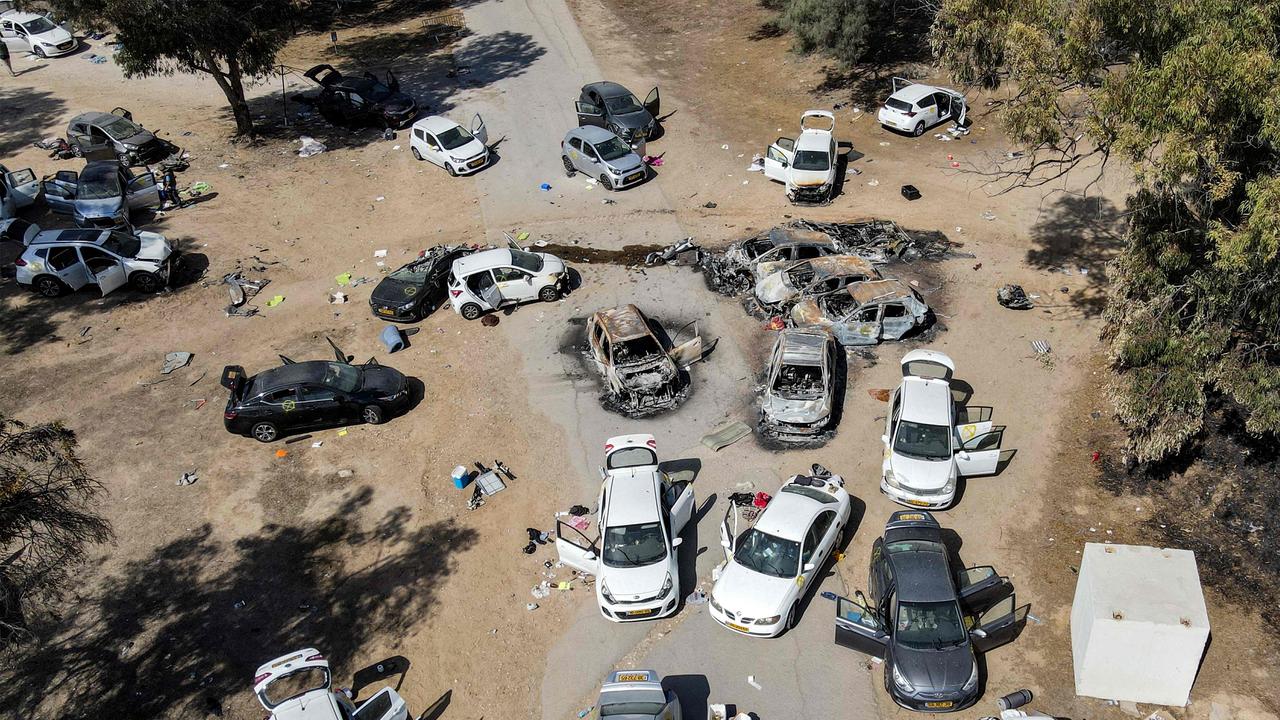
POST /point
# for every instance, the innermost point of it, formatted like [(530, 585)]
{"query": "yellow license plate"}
[(386, 311), (918, 503), (639, 612), (739, 628), (945, 704), (632, 677), (475, 163), (634, 176)]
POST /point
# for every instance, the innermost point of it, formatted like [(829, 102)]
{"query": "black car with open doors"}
[(311, 394), (926, 620), (362, 101), (414, 290)]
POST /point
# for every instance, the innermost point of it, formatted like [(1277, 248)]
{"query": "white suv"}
[(915, 107), (641, 514), (56, 261)]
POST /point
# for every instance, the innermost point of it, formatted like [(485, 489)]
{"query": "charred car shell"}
[(868, 313), (799, 393), (641, 376), (813, 278)]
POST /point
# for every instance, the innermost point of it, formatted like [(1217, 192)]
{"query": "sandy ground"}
[(265, 554)]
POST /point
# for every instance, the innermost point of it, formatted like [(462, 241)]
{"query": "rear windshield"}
[(294, 684), (898, 105), (630, 709), (631, 457)]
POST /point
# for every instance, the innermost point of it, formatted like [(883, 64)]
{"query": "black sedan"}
[(361, 101), (415, 290), (613, 107), (921, 614), (311, 394)]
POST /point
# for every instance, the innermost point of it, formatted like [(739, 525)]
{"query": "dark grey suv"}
[(919, 622)]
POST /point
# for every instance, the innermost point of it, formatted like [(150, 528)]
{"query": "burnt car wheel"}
[(919, 129), (49, 286), (470, 311), (605, 182), (416, 155), (146, 282), (549, 294), (568, 167), (265, 432), (372, 414)]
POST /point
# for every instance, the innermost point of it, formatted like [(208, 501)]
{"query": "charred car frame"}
[(642, 374), (800, 391)]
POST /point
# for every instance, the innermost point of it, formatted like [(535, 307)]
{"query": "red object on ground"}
[(775, 323), (761, 500), (1096, 455)]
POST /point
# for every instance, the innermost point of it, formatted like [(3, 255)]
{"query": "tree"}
[(230, 40), (1186, 93), (47, 520), (852, 31)]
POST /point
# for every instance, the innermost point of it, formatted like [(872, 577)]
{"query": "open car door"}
[(589, 114), (653, 102), (143, 192), (679, 500), (478, 129), (690, 351), (899, 83), (576, 550), (123, 113), (971, 430), (980, 455), (999, 625), (778, 158), (858, 629), (981, 588), (386, 704), (392, 82), (25, 187), (111, 278), (727, 534), (60, 191)]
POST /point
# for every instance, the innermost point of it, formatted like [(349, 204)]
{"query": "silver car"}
[(800, 393), (601, 155), (102, 194), (637, 695)]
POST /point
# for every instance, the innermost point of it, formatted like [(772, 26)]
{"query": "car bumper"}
[(933, 702), (784, 430), (393, 314), (635, 612), (751, 629), (473, 165), (65, 48), (810, 195), (916, 500), (632, 178)]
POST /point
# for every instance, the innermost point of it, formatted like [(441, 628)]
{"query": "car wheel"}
[(919, 129), (372, 414), (39, 51), (416, 155), (791, 617), (605, 182), (470, 311), (77, 151), (146, 282), (265, 432), (568, 167), (549, 294), (49, 286), (449, 169)]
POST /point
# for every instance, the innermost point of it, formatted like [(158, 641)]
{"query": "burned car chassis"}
[(642, 377)]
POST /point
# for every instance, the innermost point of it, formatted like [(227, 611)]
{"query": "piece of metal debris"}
[(725, 435), (175, 360), (1041, 347)]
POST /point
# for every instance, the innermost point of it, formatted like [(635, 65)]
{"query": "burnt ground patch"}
[(629, 254)]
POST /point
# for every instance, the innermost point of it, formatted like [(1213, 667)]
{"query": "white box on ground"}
[(1138, 624)]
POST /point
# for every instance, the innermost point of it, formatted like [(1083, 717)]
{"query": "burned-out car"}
[(414, 290), (813, 278), (642, 375), (364, 100), (867, 313), (800, 390), (781, 247)]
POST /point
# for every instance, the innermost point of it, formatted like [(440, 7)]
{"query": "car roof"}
[(483, 260), (95, 236), (922, 575), (592, 134), (623, 323), (788, 515), (632, 496), (784, 235), (291, 374), (926, 400), (95, 116), (914, 91), (607, 89), (865, 292), (20, 16), (829, 266), (436, 124), (803, 346)]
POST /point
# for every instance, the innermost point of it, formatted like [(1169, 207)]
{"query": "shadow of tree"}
[(900, 47), (29, 113), (172, 634), (1078, 233), (357, 13)]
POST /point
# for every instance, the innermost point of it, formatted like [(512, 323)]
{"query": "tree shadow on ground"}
[(365, 13), (1077, 234), (172, 634), (28, 113), (900, 47)]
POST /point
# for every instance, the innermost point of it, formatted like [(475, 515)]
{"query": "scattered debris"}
[(310, 146), (338, 298), (175, 360), (910, 192), (1041, 347), (726, 434), (276, 300), (1013, 297), (188, 478), (751, 679), (669, 253)]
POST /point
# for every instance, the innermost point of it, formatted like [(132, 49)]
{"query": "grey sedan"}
[(601, 155), (102, 194)]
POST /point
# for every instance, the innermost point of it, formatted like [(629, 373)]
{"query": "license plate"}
[(386, 311), (739, 628), (633, 677), (634, 176), (475, 163), (939, 704), (639, 613), (917, 503)]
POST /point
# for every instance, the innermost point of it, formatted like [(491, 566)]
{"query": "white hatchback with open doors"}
[(806, 164), (298, 686), (441, 141), (633, 553)]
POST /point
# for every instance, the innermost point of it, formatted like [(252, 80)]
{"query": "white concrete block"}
[(1138, 624)]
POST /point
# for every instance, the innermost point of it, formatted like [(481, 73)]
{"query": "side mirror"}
[(590, 556), (884, 439), (677, 542), (809, 567), (978, 633), (726, 544), (528, 279), (962, 454)]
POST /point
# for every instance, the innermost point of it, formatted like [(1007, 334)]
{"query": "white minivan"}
[(496, 278)]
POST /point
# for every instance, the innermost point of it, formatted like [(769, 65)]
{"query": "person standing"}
[(4, 55)]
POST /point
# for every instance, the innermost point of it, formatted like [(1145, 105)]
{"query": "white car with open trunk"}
[(806, 164), (298, 686)]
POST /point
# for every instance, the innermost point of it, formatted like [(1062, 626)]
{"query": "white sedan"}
[(927, 444), (770, 567), (641, 514), (806, 164), (36, 34), (443, 142)]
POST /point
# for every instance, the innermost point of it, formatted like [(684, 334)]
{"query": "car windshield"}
[(921, 441), (898, 105), (122, 244), (612, 149), (768, 555), (929, 625), (98, 186), (414, 272), (454, 137), (371, 90), (341, 376), (634, 545), (623, 104), (122, 128), (644, 709), (526, 260), (39, 25), (294, 684), (631, 457), (811, 160)]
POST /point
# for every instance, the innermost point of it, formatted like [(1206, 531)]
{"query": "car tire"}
[(48, 286), (569, 170), (791, 617), (471, 311), (372, 415), (549, 294), (38, 52), (416, 155), (605, 182), (449, 169), (146, 282), (265, 432), (919, 129)]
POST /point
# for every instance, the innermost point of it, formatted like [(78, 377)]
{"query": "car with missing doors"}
[(603, 157), (443, 142), (926, 619), (772, 564), (642, 375), (633, 555), (299, 686), (806, 164), (865, 313), (611, 106), (356, 101), (800, 389), (813, 278), (311, 394), (60, 261), (492, 279), (103, 194)]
